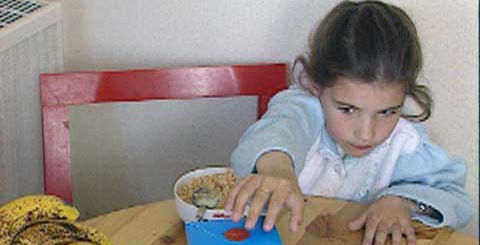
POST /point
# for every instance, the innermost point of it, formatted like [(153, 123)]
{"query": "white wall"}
[(126, 34), (121, 34)]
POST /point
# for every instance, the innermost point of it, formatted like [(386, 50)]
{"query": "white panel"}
[(131, 153)]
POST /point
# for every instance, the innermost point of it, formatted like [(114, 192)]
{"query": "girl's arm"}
[(277, 164), (429, 176), (291, 124), (275, 147)]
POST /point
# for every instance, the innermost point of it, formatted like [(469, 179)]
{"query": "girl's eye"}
[(347, 110), (389, 113)]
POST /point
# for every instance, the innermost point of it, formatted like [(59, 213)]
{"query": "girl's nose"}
[(365, 131)]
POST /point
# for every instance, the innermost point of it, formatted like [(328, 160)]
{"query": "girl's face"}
[(360, 116)]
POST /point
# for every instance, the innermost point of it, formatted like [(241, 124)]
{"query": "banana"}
[(26, 210), (59, 232)]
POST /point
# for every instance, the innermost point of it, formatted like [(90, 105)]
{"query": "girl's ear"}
[(314, 88)]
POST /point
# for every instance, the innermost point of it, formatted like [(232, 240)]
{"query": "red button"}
[(236, 234)]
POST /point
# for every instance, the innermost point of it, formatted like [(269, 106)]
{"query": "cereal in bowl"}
[(221, 183)]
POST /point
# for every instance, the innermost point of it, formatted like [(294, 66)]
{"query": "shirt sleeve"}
[(291, 124), (430, 176)]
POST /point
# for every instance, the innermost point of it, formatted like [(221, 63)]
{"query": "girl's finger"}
[(296, 205), (260, 198), (396, 234), (381, 233), (370, 230), (295, 202), (234, 192), (410, 233), (407, 229), (277, 201), (358, 223), (244, 194)]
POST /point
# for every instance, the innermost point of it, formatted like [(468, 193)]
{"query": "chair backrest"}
[(60, 90)]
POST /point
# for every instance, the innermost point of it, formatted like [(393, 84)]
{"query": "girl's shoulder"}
[(297, 101), (414, 139), (295, 92)]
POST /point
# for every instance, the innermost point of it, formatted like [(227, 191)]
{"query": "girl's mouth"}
[(362, 147)]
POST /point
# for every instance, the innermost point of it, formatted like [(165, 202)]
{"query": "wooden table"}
[(158, 224)]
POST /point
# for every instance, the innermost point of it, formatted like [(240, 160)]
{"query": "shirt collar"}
[(330, 144), (336, 149)]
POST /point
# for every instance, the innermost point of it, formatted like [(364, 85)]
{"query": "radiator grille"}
[(13, 10)]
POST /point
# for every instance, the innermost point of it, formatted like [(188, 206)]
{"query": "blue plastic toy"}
[(212, 232)]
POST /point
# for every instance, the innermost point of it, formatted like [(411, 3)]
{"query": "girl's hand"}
[(387, 215), (277, 192)]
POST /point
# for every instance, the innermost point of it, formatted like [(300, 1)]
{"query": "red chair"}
[(58, 91)]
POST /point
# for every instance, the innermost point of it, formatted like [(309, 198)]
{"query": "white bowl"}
[(186, 211)]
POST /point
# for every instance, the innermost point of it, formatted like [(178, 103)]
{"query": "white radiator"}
[(30, 43)]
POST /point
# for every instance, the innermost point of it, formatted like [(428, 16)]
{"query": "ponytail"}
[(421, 95)]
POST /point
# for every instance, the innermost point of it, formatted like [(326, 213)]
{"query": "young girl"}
[(340, 132)]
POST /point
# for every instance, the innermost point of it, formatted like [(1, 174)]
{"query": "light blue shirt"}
[(295, 120)]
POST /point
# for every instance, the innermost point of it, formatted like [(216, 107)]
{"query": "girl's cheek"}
[(338, 129)]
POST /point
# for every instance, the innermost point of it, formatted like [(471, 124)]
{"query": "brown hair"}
[(370, 41)]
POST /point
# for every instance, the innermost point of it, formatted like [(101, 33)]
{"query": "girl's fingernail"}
[(267, 227), (235, 217), (294, 227)]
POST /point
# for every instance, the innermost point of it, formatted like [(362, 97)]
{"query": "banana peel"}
[(55, 232), (44, 219)]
